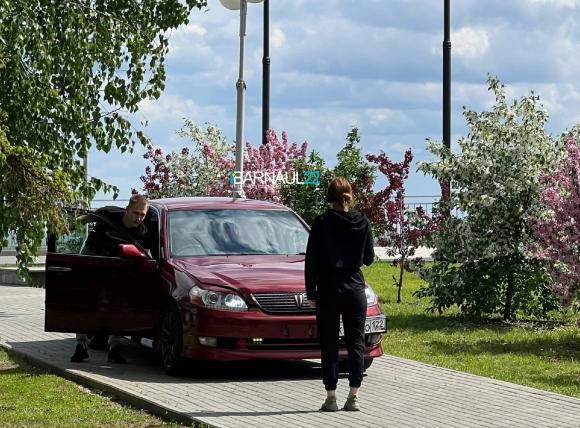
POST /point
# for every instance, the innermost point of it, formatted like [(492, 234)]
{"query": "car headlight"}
[(217, 300), (371, 296)]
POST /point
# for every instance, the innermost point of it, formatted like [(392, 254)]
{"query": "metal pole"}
[(446, 88), (241, 88), (447, 76), (266, 73)]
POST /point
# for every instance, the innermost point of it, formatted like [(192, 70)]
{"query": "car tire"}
[(171, 340), (368, 362)]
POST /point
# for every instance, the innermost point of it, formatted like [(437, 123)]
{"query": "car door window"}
[(72, 242), (103, 239), (152, 223), (91, 235)]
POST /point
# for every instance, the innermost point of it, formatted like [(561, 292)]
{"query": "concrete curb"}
[(10, 277), (134, 400)]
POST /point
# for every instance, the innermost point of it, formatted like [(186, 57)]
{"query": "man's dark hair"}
[(138, 199)]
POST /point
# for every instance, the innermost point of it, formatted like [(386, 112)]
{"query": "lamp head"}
[(235, 4)]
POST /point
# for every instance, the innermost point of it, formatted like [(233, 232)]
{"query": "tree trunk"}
[(400, 283)]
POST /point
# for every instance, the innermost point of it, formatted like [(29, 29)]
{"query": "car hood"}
[(248, 274)]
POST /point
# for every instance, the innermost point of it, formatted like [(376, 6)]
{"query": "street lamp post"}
[(447, 86), (447, 74), (266, 73), (242, 5)]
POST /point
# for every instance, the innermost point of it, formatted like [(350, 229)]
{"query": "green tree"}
[(72, 72), (308, 200), (32, 196), (353, 166), (481, 262)]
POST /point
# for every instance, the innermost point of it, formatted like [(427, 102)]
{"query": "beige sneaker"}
[(351, 404), (329, 405)]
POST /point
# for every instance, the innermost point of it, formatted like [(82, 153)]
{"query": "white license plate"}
[(374, 324)]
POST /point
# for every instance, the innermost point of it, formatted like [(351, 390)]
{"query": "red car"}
[(224, 280)]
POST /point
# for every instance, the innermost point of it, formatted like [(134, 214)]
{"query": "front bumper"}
[(254, 334)]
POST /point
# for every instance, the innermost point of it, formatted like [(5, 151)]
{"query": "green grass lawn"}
[(32, 397), (540, 355)]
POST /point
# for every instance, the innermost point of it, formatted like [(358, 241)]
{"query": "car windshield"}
[(236, 232)]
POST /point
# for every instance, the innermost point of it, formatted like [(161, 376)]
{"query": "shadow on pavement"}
[(145, 365)]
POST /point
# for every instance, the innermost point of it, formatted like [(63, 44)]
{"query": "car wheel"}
[(368, 362), (171, 340)]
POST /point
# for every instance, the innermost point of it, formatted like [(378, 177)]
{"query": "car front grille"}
[(284, 303)]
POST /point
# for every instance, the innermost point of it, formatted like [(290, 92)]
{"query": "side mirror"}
[(130, 251)]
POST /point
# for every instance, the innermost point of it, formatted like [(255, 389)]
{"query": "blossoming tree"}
[(482, 263), (558, 229), (277, 158), (398, 229), (190, 171), (206, 169)]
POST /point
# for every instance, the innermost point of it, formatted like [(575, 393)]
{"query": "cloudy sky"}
[(373, 64)]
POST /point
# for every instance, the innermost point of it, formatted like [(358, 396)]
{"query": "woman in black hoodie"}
[(340, 242)]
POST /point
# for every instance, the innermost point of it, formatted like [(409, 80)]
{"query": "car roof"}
[(171, 204)]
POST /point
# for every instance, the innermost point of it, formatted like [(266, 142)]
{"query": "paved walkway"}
[(396, 392)]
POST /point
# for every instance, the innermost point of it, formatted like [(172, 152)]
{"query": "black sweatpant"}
[(351, 303)]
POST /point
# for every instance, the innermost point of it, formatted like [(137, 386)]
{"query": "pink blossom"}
[(559, 235)]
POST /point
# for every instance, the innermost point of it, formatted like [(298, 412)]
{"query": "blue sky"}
[(373, 64)]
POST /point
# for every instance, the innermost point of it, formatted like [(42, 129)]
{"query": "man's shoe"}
[(329, 405), (115, 356), (351, 404), (80, 354)]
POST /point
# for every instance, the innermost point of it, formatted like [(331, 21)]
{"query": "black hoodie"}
[(339, 244)]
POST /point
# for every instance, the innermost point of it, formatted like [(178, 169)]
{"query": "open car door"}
[(113, 288)]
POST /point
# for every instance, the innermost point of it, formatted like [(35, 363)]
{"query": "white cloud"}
[(171, 108), (565, 3), (385, 116), (470, 42), (277, 37), (193, 28)]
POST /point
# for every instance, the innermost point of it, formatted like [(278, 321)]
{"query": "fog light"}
[(208, 341), (256, 340)]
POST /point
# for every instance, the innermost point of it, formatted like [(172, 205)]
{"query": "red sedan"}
[(223, 280)]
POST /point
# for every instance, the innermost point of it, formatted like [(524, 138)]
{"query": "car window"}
[(72, 242), (103, 239), (231, 232), (93, 236), (152, 223)]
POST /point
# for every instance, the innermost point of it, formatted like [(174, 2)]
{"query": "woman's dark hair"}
[(339, 190)]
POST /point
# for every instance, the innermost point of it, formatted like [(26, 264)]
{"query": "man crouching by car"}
[(99, 243)]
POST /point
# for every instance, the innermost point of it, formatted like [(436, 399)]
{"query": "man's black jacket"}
[(104, 241)]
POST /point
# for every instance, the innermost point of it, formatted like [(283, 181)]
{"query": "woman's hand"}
[(312, 303)]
